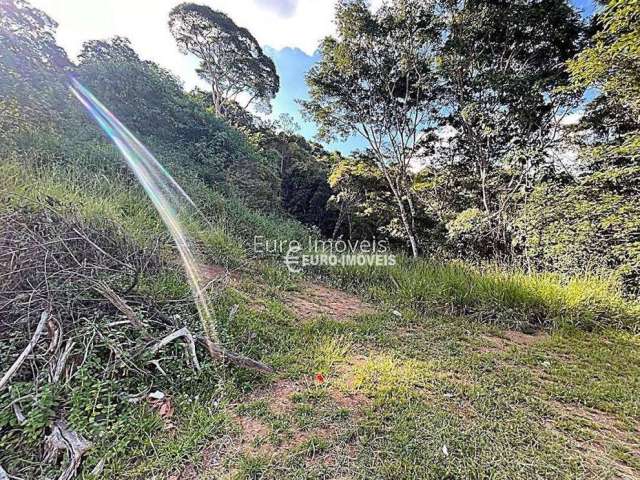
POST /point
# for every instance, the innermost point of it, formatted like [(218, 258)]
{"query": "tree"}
[(361, 198), (32, 65), (178, 127), (231, 59), (117, 49), (153, 102), (611, 66), (378, 79), (503, 62), (594, 222), (287, 124)]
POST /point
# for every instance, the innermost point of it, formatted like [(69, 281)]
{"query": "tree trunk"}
[(338, 224), (215, 96), (410, 231), (406, 222), (483, 186)]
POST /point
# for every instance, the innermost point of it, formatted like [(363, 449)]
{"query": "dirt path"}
[(314, 300)]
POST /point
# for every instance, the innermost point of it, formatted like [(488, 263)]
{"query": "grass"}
[(428, 386), (495, 295), (564, 407), (224, 235)]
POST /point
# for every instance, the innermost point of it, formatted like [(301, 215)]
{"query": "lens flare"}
[(165, 193)]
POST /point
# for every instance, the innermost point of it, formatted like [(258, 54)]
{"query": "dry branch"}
[(182, 333), (20, 360), (219, 353), (17, 411), (75, 445), (61, 361), (115, 299)]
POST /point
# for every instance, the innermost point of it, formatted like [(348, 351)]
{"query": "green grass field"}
[(448, 371), (417, 396)]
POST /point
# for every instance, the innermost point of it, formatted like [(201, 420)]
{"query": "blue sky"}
[(292, 65), (288, 30)]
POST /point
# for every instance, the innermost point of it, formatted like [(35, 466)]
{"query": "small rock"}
[(397, 313), (445, 450), (157, 395)]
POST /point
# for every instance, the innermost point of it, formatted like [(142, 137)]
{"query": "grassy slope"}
[(397, 389)]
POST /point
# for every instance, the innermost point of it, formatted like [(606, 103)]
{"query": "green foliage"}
[(378, 79), (611, 63), (593, 223), (31, 63), (365, 207), (501, 66), (470, 232), (303, 168), (510, 298), (179, 126), (231, 59), (591, 226)]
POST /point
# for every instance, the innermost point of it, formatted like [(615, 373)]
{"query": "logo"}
[(316, 252), (293, 259)]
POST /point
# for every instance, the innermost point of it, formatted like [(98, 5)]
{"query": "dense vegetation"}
[(523, 219), (472, 138)]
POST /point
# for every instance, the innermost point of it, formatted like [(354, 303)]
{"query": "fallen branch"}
[(62, 361), (98, 469), (182, 333), (115, 299), (219, 353), (75, 445), (20, 360), (156, 364), (19, 415)]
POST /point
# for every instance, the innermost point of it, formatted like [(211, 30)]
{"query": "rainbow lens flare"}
[(165, 193)]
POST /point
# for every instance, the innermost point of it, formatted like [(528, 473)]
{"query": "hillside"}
[(356, 381), (157, 321)]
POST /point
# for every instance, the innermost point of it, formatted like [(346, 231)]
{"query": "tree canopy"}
[(31, 63), (378, 79), (231, 59)]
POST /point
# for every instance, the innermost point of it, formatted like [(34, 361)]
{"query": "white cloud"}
[(284, 8), (444, 136), (572, 118), (144, 22)]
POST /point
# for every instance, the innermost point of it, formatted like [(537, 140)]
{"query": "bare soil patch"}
[(315, 300), (278, 395), (510, 338), (214, 273)]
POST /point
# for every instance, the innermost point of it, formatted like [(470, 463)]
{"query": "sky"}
[(288, 30)]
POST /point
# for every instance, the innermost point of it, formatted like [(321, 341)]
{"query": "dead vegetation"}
[(68, 297)]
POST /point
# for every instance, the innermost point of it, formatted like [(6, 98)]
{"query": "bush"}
[(470, 233), (592, 226)]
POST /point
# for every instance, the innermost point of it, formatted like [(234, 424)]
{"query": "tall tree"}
[(32, 65), (231, 59), (595, 221), (503, 61), (378, 79), (116, 49)]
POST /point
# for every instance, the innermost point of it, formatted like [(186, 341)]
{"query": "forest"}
[(144, 335)]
